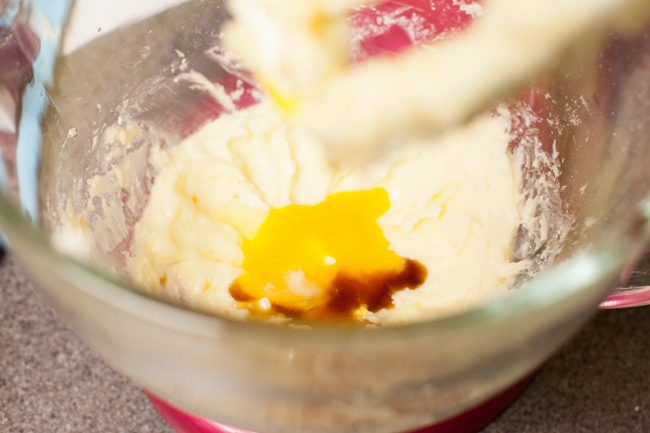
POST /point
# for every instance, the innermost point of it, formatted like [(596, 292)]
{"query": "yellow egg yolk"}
[(288, 104), (329, 260)]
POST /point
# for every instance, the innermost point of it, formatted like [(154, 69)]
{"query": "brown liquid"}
[(348, 294)]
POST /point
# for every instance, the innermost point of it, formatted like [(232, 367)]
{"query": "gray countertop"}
[(52, 382)]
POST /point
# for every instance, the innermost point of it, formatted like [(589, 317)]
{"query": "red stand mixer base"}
[(470, 421)]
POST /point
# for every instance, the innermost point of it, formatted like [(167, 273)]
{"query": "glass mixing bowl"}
[(120, 62)]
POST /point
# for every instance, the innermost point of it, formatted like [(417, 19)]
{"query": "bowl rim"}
[(549, 287)]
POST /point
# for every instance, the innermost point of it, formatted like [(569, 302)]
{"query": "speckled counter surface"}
[(51, 382)]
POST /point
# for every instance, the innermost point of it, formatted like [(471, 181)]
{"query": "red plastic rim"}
[(469, 421), (625, 298)]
